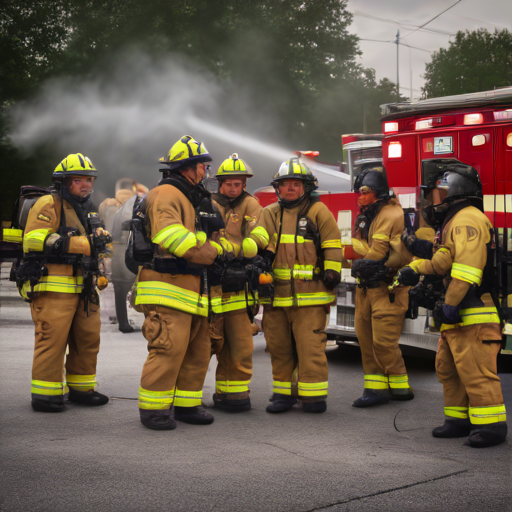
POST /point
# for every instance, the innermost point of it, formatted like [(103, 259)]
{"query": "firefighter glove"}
[(416, 246), (445, 314), (408, 277), (58, 244), (331, 279)]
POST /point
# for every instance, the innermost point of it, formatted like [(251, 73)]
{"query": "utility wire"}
[(429, 21), (406, 26), (394, 42)]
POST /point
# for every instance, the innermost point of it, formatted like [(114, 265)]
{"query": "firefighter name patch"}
[(43, 217)]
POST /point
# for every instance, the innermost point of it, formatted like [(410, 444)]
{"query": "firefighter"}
[(58, 275), (379, 316), (468, 318), (232, 329), (171, 291), (122, 279), (302, 245)]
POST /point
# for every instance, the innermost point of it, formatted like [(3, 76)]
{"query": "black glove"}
[(416, 246), (61, 245), (445, 314), (100, 239), (331, 279), (408, 277)]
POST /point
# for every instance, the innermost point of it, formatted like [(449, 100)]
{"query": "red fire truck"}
[(473, 128)]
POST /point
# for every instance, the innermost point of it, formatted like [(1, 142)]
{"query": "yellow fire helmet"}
[(295, 169), (234, 167), (186, 152), (75, 164)]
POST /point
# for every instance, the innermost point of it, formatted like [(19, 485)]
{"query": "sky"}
[(380, 20)]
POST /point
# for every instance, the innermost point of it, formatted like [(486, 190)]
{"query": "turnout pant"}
[(234, 369), (466, 367), (179, 352), (296, 340), (378, 323), (60, 322)]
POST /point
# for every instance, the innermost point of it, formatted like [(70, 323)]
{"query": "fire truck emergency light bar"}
[(503, 115)]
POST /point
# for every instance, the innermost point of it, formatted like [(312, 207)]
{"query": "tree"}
[(295, 59), (475, 61)]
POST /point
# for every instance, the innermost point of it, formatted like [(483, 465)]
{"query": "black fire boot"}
[(90, 397), (121, 289), (221, 401), (314, 406), (158, 419), (453, 428), (487, 435), (193, 415), (44, 403), (281, 403), (372, 397), (402, 394)]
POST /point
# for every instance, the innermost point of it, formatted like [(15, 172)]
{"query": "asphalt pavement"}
[(102, 459)]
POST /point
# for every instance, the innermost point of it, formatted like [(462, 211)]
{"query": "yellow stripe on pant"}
[(487, 415), (376, 382), (81, 382), (155, 400), (399, 382), (187, 398), (313, 389), (456, 412), (232, 386), (53, 283), (42, 387), (283, 388)]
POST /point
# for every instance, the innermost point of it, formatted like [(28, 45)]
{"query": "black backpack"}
[(139, 249)]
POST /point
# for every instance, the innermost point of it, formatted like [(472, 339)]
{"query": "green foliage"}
[(475, 61), (294, 58)]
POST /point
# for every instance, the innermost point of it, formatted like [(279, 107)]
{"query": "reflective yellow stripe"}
[(283, 388), (187, 398), (471, 316), (487, 414), (282, 273), (376, 381), (232, 386), (13, 235), (304, 272), (456, 412), (378, 236), (171, 296), (81, 382), (250, 247), (59, 284), (301, 299), (444, 249), (290, 239), (176, 239), (216, 303), (466, 273), (311, 299), (260, 236), (43, 387), (34, 240), (313, 388), (236, 302), (331, 244), (332, 265), (155, 399), (398, 381)]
